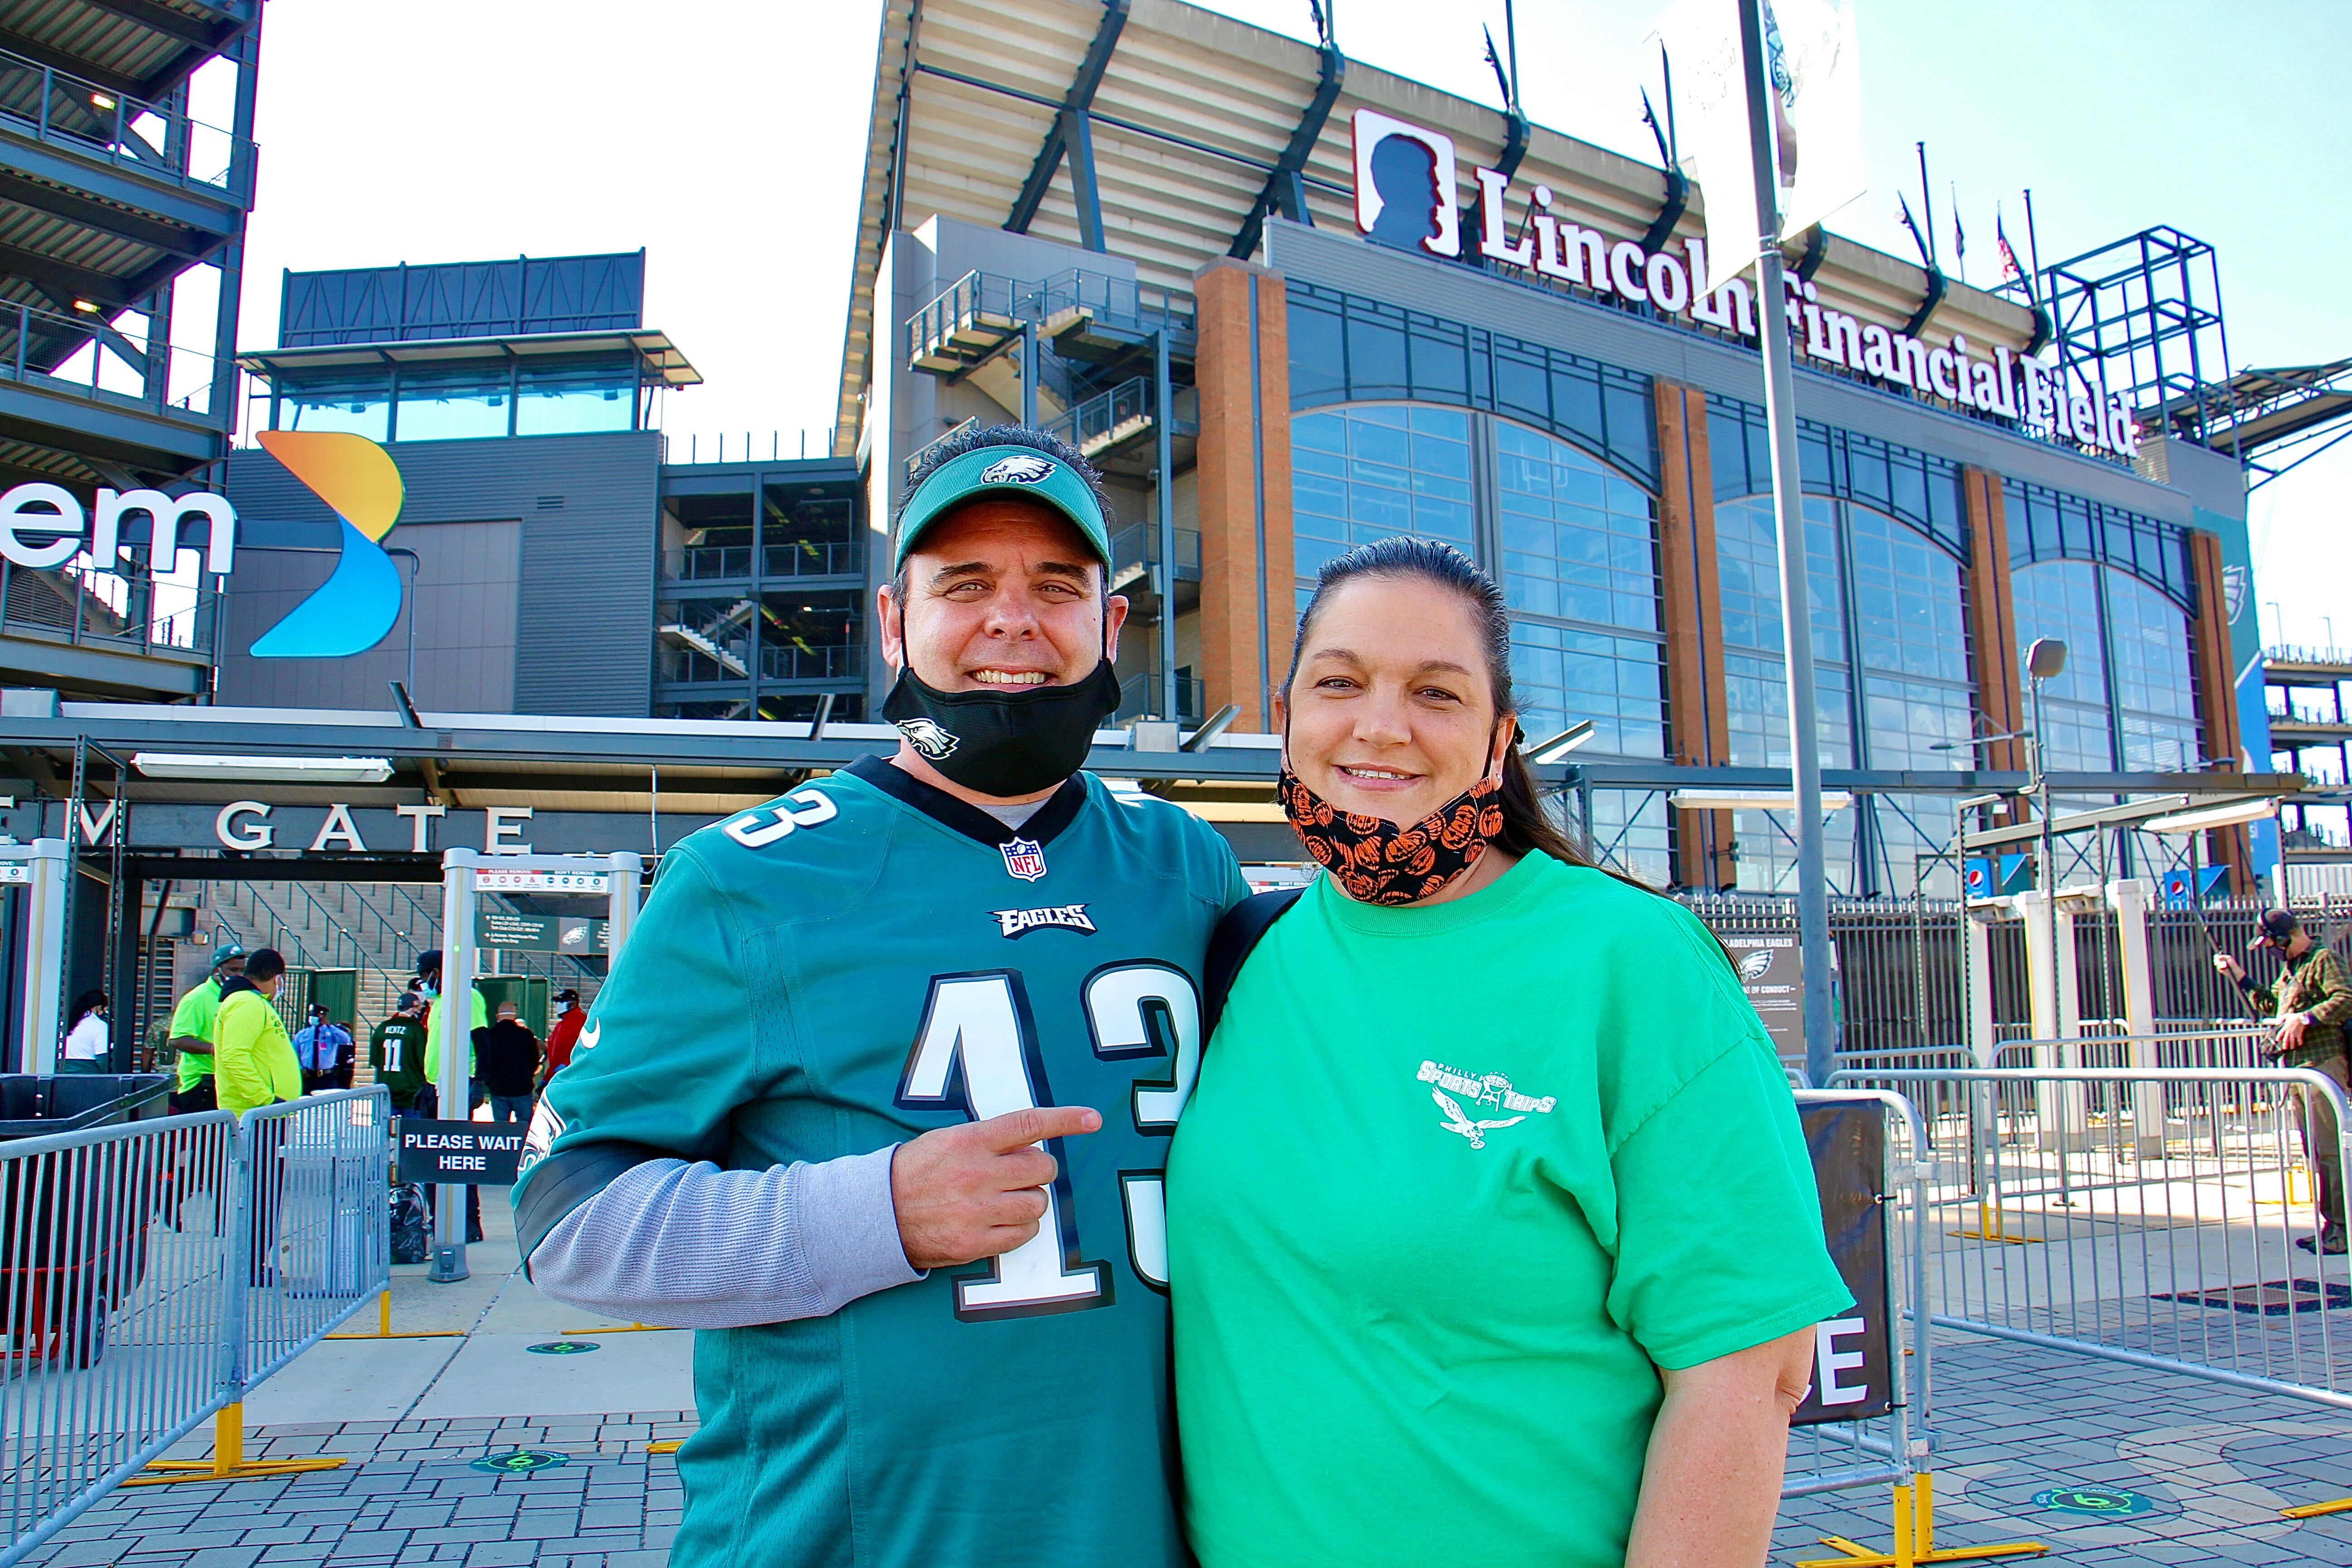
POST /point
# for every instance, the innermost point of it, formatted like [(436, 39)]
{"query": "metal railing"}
[(813, 558), (1138, 545), (152, 139), (1110, 418), (1138, 695), (980, 310), (790, 662), (2143, 1214), (152, 1273), (169, 379), (702, 562), (82, 607)]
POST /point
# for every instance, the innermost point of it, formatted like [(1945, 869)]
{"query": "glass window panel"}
[(1628, 832), (1906, 599), (452, 406), (1559, 674), (1748, 565), (356, 410), (1756, 704), (1603, 556), (2060, 599), (568, 402), (1376, 365), (1397, 470), (1765, 851), (707, 537), (2149, 644)]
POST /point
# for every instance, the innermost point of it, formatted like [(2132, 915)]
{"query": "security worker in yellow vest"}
[(253, 1066), (253, 1057)]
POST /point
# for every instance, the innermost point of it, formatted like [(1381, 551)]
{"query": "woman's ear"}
[(1506, 735)]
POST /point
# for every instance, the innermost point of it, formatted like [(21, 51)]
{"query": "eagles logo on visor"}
[(1022, 471)]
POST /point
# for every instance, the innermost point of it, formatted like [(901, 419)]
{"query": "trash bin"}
[(73, 1222)]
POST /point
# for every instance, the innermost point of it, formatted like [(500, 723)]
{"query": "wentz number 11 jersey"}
[(854, 963)]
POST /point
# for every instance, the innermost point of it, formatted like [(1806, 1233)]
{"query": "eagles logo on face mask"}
[(927, 737)]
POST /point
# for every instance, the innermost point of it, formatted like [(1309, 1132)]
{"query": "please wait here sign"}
[(459, 1152)]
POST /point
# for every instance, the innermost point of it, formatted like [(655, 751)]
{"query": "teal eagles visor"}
[(1003, 470)]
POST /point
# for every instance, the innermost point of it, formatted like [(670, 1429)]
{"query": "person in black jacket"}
[(507, 1055)]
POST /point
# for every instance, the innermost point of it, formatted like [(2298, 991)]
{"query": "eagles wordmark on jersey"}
[(863, 959)]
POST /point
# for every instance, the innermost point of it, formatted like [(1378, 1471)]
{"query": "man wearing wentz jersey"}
[(879, 1092)]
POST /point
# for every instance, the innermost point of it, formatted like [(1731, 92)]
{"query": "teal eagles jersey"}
[(856, 963)]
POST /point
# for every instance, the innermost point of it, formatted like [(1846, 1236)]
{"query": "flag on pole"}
[(1959, 238), (2008, 263), (1817, 120), (1902, 214)]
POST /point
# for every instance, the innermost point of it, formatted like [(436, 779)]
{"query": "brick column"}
[(1247, 576), (2216, 701), (1691, 610), (1994, 662)]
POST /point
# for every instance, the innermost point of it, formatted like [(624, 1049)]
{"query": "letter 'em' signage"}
[(1405, 193), (43, 526)]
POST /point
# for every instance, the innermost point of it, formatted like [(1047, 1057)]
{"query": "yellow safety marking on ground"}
[(664, 1446), (228, 1462), (1992, 1227), (2317, 1509), (1915, 1538), (631, 1328)]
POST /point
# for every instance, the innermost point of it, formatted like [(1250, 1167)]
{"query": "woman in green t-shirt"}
[(1492, 1234)]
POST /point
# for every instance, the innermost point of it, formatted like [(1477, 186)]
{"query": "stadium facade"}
[(1287, 301), (1292, 302)]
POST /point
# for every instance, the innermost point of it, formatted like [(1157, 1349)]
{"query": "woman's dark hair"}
[(86, 1004), (1526, 826)]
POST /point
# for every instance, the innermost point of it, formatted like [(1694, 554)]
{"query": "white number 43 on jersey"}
[(982, 1022)]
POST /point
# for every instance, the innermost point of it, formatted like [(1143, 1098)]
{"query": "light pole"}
[(2046, 661)]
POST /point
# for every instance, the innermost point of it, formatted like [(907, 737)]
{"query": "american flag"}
[(2008, 262)]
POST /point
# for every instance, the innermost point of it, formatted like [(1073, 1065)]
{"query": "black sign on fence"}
[(1772, 972), (1853, 1376), (472, 1152)]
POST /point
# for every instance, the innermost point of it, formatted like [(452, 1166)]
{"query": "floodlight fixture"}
[(2203, 818), (1751, 800), (198, 768), (1552, 748)]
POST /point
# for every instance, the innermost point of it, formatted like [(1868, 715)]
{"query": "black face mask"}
[(1003, 744)]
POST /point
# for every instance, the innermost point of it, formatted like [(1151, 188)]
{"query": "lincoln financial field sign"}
[(1405, 189)]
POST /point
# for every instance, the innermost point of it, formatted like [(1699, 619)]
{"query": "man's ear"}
[(894, 626)]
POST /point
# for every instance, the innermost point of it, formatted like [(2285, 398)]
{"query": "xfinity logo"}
[(1021, 923)]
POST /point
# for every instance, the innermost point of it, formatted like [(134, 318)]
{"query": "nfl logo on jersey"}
[(1025, 859)]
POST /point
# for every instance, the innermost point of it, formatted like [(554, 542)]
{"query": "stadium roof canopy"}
[(1196, 124)]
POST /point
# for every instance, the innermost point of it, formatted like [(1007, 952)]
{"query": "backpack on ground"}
[(412, 1225)]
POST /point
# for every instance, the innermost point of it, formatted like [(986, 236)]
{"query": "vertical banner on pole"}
[(452, 1027)]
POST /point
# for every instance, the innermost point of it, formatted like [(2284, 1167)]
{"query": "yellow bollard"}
[(383, 1327), (228, 1462)]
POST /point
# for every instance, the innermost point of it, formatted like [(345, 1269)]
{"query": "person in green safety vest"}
[(191, 1031)]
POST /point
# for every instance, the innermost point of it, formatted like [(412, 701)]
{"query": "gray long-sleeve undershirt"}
[(692, 1247)]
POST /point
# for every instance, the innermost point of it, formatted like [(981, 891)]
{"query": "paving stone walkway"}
[(2012, 1420), (408, 1496)]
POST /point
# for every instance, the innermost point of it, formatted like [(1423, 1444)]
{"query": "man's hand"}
[(971, 1192), (2290, 1030), (2226, 964)]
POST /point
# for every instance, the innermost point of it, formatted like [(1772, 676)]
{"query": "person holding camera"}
[(2307, 1004)]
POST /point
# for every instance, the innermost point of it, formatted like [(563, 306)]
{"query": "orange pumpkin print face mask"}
[(1374, 860)]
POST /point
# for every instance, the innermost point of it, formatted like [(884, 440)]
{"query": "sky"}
[(727, 139)]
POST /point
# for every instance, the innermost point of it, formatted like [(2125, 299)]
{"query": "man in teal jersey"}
[(934, 1012)]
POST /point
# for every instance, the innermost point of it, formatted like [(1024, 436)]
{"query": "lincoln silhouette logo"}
[(1017, 471), (925, 736)]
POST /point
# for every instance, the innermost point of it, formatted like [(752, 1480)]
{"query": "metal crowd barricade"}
[(115, 1290), (152, 1274), (1896, 1449), (2143, 1214), (1890, 1448)]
